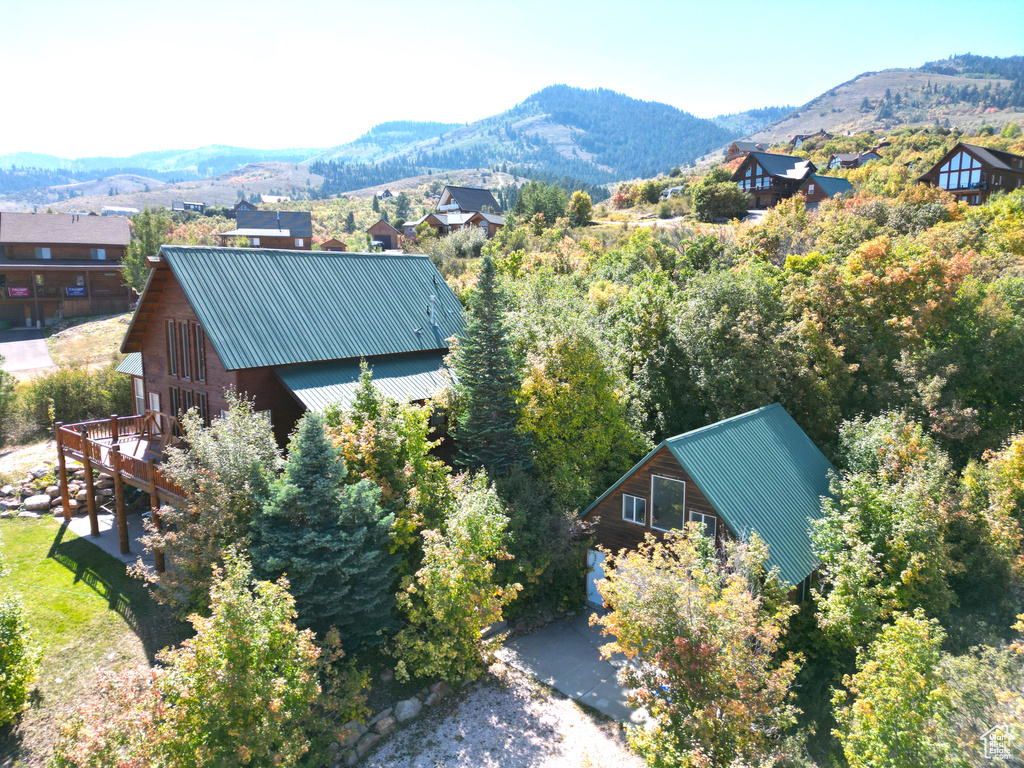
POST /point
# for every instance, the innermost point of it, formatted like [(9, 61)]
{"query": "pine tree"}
[(376, 205), (350, 222), (487, 435), (329, 539)]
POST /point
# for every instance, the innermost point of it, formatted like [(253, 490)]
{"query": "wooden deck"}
[(129, 449)]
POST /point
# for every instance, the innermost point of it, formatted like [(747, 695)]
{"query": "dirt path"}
[(511, 721)]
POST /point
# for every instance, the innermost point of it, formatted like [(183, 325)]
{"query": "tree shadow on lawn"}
[(129, 597)]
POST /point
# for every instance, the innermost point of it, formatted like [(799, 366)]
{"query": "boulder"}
[(385, 725), (407, 709), (379, 716), (26, 513), (57, 502), (351, 758), (442, 689), (432, 699), (387, 676), (107, 492), (7, 490), (10, 504), (82, 495), (352, 731), (53, 490), (40, 501), (41, 471), (367, 742)]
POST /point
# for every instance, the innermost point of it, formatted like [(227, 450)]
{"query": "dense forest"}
[(1010, 68)]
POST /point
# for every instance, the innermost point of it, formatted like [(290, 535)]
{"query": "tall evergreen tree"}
[(350, 222), (487, 435), (329, 539)]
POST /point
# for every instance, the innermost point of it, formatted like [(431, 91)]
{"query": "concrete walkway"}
[(108, 540), (24, 350), (565, 654)]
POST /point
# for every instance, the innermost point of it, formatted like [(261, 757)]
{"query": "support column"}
[(90, 491), (65, 497), (122, 513), (154, 511)]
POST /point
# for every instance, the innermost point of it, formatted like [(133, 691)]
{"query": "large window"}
[(139, 390), (42, 253), (186, 362), (98, 254), (668, 497), (709, 522), (200, 355), (960, 172), (634, 509), (172, 358)]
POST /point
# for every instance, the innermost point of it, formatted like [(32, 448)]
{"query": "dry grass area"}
[(16, 461), (507, 720), (94, 342)]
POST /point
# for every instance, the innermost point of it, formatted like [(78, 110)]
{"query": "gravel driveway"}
[(24, 350), (511, 721)]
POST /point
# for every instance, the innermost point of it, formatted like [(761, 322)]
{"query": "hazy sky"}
[(113, 77)]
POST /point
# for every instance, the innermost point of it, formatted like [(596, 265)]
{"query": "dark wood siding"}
[(615, 533)]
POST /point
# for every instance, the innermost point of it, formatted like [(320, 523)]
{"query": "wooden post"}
[(90, 492), (122, 513), (65, 497), (113, 429), (154, 511)]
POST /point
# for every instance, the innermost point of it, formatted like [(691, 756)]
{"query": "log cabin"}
[(283, 230), (852, 159), (382, 232), (742, 149), (333, 244), (461, 208), (770, 178), (973, 173), (817, 188), (756, 472), (56, 265), (797, 141)]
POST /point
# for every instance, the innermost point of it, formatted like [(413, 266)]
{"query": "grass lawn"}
[(87, 613), (94, 342)]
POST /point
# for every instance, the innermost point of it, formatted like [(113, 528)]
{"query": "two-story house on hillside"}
[(771, 178), (973, 173), (742, 148), (461, 208), (817, 188), (289, 230), (797, 141), (851, 159), (62, 265)]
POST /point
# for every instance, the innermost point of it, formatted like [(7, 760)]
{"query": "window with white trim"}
[(42, 253), (98, 254), (254, 241), (634, 509), (810, 189), (172, 358), (668, 498), (299, 242), (710, 523)]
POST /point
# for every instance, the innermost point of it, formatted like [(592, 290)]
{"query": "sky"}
[(115, 77)]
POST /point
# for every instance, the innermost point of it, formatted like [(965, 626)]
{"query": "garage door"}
[(595, 573)]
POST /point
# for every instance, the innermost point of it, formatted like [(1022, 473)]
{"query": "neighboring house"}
[(61, 265), (852, 160), (241, 205), (756, 472), (387, 193), (800, 138), (973, 173), (290, 230), (462, 208), (741, 149), (385, 234), (114, 210), (275, 199), (333, 245), (670, 192), (817, 188), (182, 206), (771, 178)]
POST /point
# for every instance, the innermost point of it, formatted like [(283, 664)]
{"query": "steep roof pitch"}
[(781, 166), (386, 226), (265, 307), (64, 229), (298, 223), (761, 473), (473, 199), (830, 185), (1004, 161)]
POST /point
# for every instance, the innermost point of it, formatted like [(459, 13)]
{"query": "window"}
[(172, 358), (175, 402), (139, 389), (254, 241), (299, 242), (188, 400), (98, 254), (204, 409), (667, 499), (810, 189), (154, 401), (266, 415), (42, 253), (634, 509), (39, 280), (186, 367), (200, 354), (80, 280), (709, 522)]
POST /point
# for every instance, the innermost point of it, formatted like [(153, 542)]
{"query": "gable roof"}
[(746, 146), (473, 199), (64, 229), (761, 473), (298, 223), (132, 364), (780, 166), (266, 307), (385, 225), (830, 185), (997, 158)]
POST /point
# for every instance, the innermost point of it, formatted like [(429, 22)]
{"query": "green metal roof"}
[(403, 378), (263, 307), (132, 364), (830, 185), (761, 473)]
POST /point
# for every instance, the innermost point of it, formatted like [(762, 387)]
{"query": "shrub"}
[(19, 658), (75, 393)]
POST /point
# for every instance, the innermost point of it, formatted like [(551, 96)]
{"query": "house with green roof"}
[(817, 188), (287, 328), (756, 472), (771, 178)]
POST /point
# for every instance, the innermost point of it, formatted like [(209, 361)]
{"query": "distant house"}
[(670, 192), (462, 208), (800, 138), (385, 194), (973, 173), (742, 148), (854, 160), (817, 188), (754, 473), (333, 245), (61, 265), (771, 178), (273, 199), (241, 205), (291, 230), (182, 206), (385, 234), (116, 210)]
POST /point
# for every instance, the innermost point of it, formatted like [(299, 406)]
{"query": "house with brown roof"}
[(333, 245), (800, 138), (741, 149), (291, 230), (56, 265), (462, 208), (973, 173), (382, 232), (770, 178), (851, 159)]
